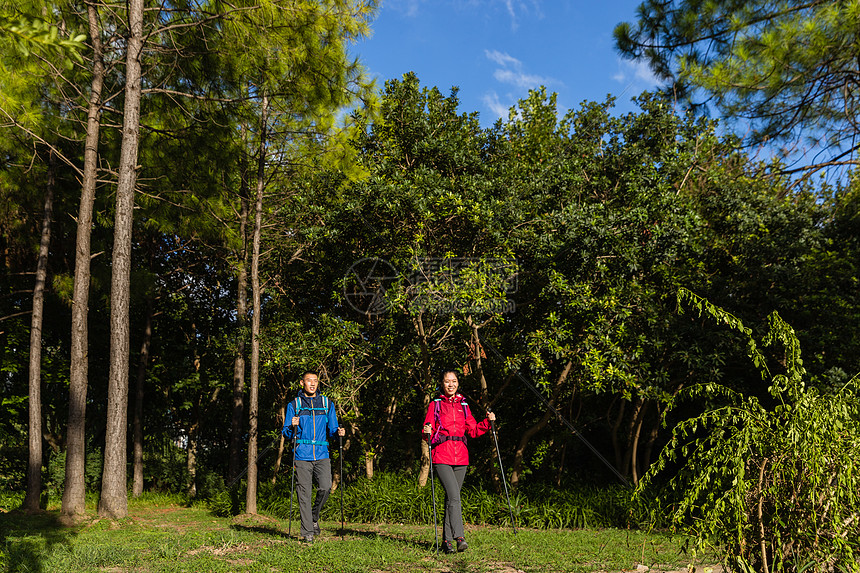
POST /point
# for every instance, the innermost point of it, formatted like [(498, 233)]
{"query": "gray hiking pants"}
[(319, 471), (452, 480)]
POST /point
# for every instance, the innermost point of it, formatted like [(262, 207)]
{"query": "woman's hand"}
[(428, 428), (491, 416)]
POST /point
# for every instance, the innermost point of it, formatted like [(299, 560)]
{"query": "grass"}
[(160, 535)]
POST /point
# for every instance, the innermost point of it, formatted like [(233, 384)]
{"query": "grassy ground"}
[(169, 537)]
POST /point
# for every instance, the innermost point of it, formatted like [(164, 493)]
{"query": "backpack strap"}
[(437, 438), (313, 442), (441, 439), (311, 410)]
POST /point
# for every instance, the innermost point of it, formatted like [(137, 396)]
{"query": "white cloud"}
[(408, 8), (491, 100), (635, 75), (512, 72), (502, 59), (519, 79), (516, 7)]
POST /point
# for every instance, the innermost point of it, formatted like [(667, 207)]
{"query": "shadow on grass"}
[(268, 526), (263, 530), (27, 540), (258, 523), (428, 545)]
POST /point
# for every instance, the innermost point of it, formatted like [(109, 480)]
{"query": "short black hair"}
[(445, 371), (306, 372)]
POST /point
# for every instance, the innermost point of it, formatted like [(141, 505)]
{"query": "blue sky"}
[(496, 50)]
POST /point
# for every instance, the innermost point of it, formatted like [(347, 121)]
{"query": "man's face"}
[(309, 384)]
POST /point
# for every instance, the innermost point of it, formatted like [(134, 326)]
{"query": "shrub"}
[(397, 498), (770, 488)]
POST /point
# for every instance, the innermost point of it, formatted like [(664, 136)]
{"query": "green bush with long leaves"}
[(771, 484), (396, 498)]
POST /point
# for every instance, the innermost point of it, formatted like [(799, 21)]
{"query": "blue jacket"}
[(317, 421)]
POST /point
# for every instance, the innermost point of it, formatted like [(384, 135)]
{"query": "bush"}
[(397, 498), (769, 488)]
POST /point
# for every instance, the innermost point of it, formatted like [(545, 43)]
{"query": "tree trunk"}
[(477, 354), (616, 425), (424, 472), (634, 448), (651, 440), (137, 472), (628, 461), (368, 464), (377, 437), (282, 414), (113, 502), (34, 466), (191, 459), (73, 490), (519, 455), (239, 361), (197, 428), (251, 495)]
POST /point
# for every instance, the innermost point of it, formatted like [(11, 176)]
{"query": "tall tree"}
[(296, 94), (787, 68), (34, 468), (74, 488), (241, 318), (50, 72), (113, 501), (256, 309)]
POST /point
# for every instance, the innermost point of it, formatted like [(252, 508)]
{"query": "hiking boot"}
[(446, 547), (461, 543), (316, 528), (308, 539)]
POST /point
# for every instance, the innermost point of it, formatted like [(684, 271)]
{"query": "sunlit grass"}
[(158, 537)]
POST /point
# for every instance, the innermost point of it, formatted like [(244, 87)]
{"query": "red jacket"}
[(452, 421)]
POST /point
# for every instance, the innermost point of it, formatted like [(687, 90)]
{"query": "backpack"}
[(313, 412), (437, 407)]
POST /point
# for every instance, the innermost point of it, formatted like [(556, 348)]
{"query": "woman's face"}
[(450, 384)]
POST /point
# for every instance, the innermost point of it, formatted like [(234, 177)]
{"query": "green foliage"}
[(782, 66), (27, 33), (395, 498), (56, 472), (770, 484)]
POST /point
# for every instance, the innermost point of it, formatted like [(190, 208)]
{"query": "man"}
[(313, 418)]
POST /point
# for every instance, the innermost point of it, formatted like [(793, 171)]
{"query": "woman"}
[(448, 423)]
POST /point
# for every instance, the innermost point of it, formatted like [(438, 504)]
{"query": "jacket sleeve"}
[(429, 418), (475, 428), (332, 419), (289, 412)]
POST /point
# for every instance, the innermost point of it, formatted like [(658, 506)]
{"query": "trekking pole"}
[(433, 493), (292, 482), (502, 471), (340, 443)]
